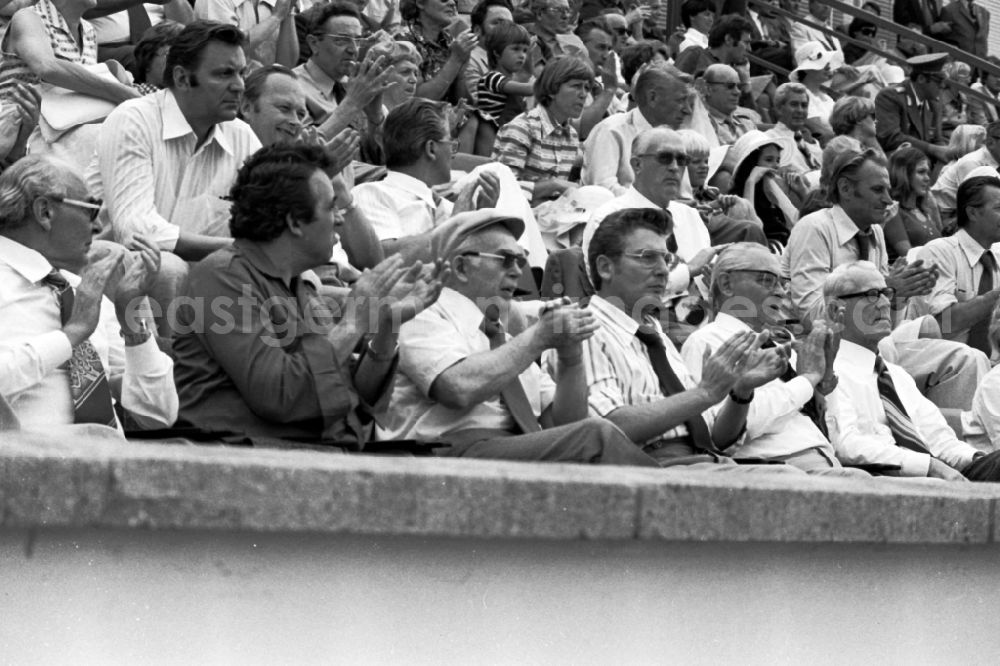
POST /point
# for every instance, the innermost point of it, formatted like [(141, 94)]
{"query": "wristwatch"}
[(135, 339)]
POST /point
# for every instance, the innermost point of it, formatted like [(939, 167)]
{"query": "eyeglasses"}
[(651, 258), (729, 85), (341, 40), (666, 158), (451, 142), (872, 294), (763, 278), (508, 258), (562, 12), (620, 31), (869, 32), (91, 204)]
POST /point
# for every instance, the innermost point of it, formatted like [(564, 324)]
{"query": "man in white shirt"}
[(66, 351), (722, 101), (968, 283), (661, 100), (698, 17), (464, 381), (164, 161), (981, 113), (876, 414), (945, 187), (800, 152), (785, 420), (819, 12)]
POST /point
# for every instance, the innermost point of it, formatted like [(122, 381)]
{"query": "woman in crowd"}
[(954, 106), (541, 146), (443, 44), (855, 117), (918, 220), (775, 195), (151, 55)]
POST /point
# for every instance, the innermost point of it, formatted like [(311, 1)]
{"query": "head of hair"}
[(902, 165), (848, 278), (271, 185), (848, 112), (691, 8), (191, 42), (609, 237), (634, 56), (846, 166), (730, 25), (557, 72), (503, 36), (695, 143), (158, 36), (651, 77), (739, 178), (24, 181), (965, 139), (972, 193), (332, 10), (953, 68), (482, 9), (786, 90), (590, 25), (857, 25), (395, 50), (409, 127), (258, 79)]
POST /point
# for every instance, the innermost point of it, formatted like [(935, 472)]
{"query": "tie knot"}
[(491, 325), (988, 260), (798, 137), (55, 280), (649, 336), (880, 366)]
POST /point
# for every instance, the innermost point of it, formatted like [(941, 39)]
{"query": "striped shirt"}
[(61, 40), (619, 371), (494, 102), (155, 179), (536, 149)]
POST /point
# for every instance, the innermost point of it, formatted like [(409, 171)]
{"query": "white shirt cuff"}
[(53, 349), (144, 359)]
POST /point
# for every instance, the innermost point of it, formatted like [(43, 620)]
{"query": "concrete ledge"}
[(163, 486)]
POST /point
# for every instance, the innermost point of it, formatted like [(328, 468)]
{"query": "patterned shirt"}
[(535, 148), (61, 40), (494, 102), (434, 54)]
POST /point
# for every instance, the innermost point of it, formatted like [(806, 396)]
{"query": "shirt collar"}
[(252, 252), (970, 247), (913, 89), (323, 82), (729, 325), (845, 227), (549, 127), (31, 264), (856, 355), (176, 125), (639, 120), (461, 307), (636, 199), (410, 185)]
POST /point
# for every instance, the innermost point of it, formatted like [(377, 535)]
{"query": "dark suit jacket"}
[(899, 119), (566, 275), (907, 12), (964, 33)]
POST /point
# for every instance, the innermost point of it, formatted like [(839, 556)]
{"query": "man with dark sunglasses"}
[(464, 381), (911, 111), (722, 100)]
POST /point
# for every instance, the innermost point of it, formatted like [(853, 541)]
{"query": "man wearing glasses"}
[(910, 111), (463, 380), (722, 100), (876, 415), (553, 30), (68, 354)]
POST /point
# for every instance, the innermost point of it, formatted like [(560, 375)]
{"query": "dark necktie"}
[(339, 91), (814, 409), (88, 383), (864, 244), (979, 332), (670, 384), (903, 430), (800, 142), (512, 394), (972, 11)]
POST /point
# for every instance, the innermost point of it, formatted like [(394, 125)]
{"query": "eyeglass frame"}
[(770, 284), (730, 85), (563, 12), (339, 40), (454, 143), (872, 294), (94, 205), (509, 259), (681, 159), (667, 257)]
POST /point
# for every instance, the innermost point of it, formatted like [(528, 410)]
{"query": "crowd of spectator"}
[(554, 230)]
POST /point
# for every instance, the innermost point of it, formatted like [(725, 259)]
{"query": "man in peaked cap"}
[(911, 111)]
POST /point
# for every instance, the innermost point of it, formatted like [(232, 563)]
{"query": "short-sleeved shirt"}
[(436, 339), (494, 102), (61, 40), (433, 54), (253, 356), (535, 148)]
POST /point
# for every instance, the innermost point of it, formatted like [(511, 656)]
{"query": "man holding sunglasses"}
[(876, 415), (66, 355), (463, 380), (910, 112)]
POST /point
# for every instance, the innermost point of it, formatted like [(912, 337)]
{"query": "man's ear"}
[(724, 284), (43, 211), (459, 268), (182, 78), (430, 150), (293, 224), (605, 267)]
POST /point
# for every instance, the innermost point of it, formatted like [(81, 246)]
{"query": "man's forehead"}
[(218, 55), (343, 25), (282, 85), (644, 239), (615, 21), (496, 12), (663, 143)]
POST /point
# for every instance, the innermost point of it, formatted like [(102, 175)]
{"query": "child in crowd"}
[(500, 97)]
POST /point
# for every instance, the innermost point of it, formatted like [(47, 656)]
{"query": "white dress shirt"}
[(608, 149), (791, 156), (959, 271), (693, 37), (433, 341), (775, 426), (858, 427), (34, 352), (981, 424), (945, 188), (318, 88), (155, 180), (619, 371), (400, 205)]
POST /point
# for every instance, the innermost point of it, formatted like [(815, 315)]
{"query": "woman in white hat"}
[(775, 195), (814, 68)]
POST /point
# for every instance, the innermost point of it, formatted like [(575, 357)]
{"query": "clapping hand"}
[(487, 184), (761, 366)]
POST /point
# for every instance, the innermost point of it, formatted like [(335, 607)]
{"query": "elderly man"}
[(553, 32), (636, 378), (661, 97), (785, 421), (164, 161), (800, 152), (722, 100), (67, 353), (876, 415), (257, 352), (968, 283), (910, 112), (945, 187), (464, 381), (850, 229)]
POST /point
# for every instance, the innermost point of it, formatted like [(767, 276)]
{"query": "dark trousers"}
[(985, 468), (589, 441)]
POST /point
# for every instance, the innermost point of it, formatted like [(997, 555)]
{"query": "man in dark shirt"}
[(258, 352)]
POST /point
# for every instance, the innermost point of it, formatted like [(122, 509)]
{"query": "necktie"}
[(864, 244), (903, 430), (339, 91), (88, 383), (670, 384), (972, 12), (814, 409), (512, 394), (979, 332), (800, 142)]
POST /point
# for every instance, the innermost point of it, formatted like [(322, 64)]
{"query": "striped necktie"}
[(512, 394), (88, 383), (903, 430)]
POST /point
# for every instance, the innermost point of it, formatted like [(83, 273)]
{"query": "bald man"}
[(722, 100)]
